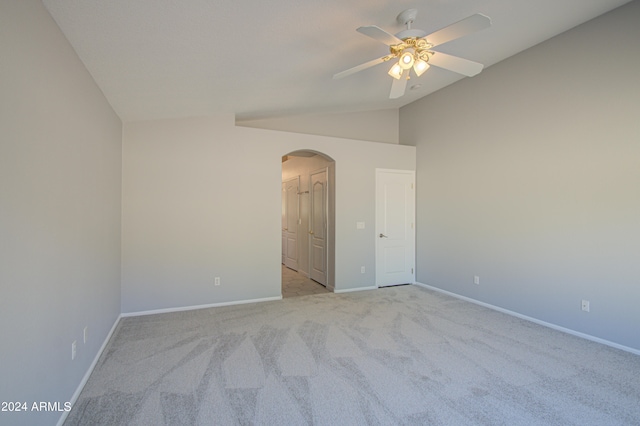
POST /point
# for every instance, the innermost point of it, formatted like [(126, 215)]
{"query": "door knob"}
[(311, 232), (383, 236)]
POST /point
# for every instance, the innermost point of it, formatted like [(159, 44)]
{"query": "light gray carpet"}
[(402, 355)]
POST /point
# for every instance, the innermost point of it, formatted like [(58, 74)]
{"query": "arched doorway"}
[(308, 216)]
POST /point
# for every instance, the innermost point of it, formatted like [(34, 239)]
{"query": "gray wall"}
[(202, 199), (528, 175), (60, 156), (373, 126)]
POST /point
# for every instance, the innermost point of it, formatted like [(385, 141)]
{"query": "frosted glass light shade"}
[(420, 67), (396, 71)]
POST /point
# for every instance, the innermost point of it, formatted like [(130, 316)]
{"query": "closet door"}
[(290, 220), (318, 226)]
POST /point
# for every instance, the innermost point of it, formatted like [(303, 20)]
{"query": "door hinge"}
[(411, 186), (412, 270)]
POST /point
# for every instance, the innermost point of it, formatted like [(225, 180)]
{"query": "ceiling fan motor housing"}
[(411, 33), (406, 18)]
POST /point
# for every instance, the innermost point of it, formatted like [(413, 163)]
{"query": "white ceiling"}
[(258, 59)]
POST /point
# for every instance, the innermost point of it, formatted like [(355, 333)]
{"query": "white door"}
[(318, 226), (291, 216), (284, 220), (395, 230)]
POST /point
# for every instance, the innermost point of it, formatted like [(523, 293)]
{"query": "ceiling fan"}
[(411, 48)]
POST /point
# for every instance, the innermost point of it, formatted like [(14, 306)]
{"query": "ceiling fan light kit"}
[(411, 48), (395, 71), (420, 66)]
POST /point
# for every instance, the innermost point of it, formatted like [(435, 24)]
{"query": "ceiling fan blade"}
[(360, 67), (455, 64), (459, 29), (398, 86), (379, 34)]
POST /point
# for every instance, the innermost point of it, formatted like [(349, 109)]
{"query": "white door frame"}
[(408, 275)]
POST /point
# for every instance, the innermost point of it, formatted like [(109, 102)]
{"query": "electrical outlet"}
[(216, 281), (362, 269), (585, 305), (84, 334), (476, 279), (73, 350)]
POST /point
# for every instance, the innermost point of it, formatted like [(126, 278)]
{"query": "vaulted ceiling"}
[(164, 58)]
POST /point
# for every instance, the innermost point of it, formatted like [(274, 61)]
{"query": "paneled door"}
[(291, 215), (395, 228), (318, 226), (284, 220)]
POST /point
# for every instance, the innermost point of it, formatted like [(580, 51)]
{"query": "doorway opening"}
[(308, 217)]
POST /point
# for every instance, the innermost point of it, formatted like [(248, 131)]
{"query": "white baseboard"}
[(191, 308), (534, 320), (85, 378), (349, 290)]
